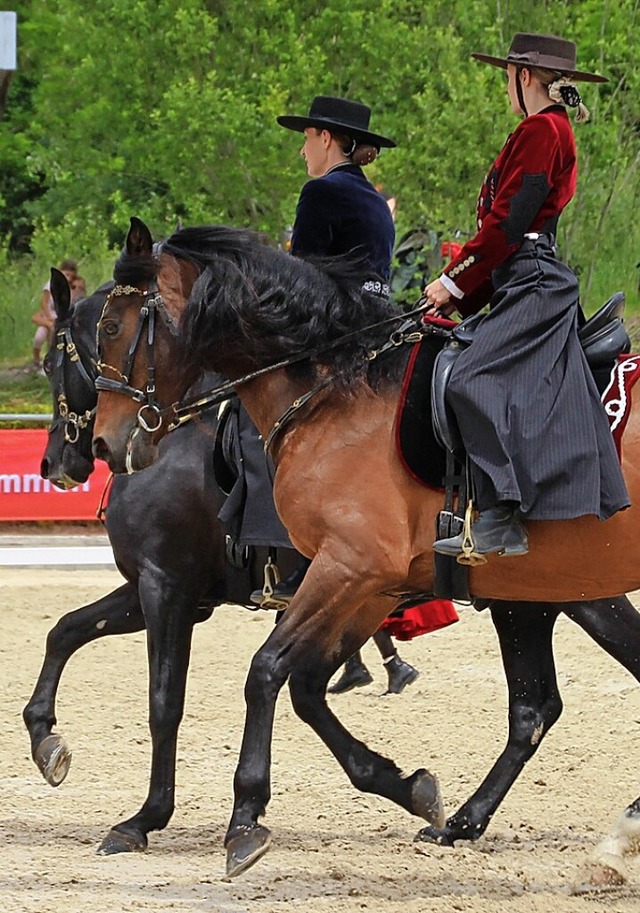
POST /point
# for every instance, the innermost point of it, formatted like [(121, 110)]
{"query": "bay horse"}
[(271, 324), (168, 544)]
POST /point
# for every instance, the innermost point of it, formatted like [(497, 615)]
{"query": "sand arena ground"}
[(334, 849)]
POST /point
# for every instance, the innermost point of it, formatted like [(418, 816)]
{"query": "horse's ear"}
[(139, 240), (61, 293)]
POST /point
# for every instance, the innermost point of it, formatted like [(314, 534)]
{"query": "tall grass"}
[(608, 269), (606, 248)]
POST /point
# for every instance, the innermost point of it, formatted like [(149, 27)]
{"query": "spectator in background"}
[(78, 289), (45, 317)]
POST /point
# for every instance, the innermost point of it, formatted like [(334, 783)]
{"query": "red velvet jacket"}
[(528, 186)]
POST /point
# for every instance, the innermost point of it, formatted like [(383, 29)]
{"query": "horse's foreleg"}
[(525, 634), (169, 616), (615, 625), (117, 613), (313, 638), (246, 840)]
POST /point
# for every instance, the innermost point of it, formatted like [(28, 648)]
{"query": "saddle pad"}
[(617, 396), (418, 449)]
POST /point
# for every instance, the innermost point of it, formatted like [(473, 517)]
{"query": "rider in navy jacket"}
[(340, 211)]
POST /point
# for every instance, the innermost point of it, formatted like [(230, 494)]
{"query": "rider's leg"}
[(399, 672)]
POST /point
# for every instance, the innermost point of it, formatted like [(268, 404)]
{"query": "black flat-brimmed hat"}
[(340, 115), (546, 51)]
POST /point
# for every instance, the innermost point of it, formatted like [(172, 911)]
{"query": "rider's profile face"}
[(314, 151)]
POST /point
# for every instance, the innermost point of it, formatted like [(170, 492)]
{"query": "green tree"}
[(167, 110)]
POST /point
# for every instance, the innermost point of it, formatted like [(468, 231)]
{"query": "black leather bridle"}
[(150, 414), (67, 354)]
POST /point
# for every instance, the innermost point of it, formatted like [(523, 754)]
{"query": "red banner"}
[(25, 495)]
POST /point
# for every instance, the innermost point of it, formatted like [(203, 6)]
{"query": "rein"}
[(226, 390)]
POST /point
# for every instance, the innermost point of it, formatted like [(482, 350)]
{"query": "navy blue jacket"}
[(342, 212)]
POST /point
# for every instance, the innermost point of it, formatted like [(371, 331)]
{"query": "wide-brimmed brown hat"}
[(546, 51), (340, 115)]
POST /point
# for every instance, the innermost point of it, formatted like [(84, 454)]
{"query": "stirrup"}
[(271, 600), (468, 555)]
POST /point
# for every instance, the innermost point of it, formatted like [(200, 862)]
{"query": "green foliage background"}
[(165, 109)]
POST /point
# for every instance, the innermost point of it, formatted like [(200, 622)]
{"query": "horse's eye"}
[(110, 327)]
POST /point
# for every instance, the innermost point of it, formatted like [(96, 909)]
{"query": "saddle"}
[(603, 338)]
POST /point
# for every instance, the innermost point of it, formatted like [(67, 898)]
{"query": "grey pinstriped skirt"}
[(527, 406)]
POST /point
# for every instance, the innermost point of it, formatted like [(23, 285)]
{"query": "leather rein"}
[(411, 330)]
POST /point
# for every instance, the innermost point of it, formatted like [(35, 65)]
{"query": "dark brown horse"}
[(170, 547), (327, 411)]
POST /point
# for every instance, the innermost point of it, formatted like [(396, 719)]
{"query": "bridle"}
[(150, 414), (411, 330), (67, 353)]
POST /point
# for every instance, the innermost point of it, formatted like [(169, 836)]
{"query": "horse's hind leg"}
[(170, 614), (313, 638), (368, 771), (117, 613), (615, 625), (525, 633)]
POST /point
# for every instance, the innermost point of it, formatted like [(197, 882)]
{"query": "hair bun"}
[(570, 95)]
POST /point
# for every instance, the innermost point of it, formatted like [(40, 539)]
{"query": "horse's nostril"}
[(45, 468), (100, 449)]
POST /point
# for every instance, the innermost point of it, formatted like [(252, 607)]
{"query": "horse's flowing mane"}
[(257, 305)]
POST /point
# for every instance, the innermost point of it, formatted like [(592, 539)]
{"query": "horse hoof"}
[(246, 848), (601, 875), (122, 842), (426, 798), (53, 759), (433, 835)]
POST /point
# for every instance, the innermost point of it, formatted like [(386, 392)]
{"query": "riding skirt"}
[(526, 403)]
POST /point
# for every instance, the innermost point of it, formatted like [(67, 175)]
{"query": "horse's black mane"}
[(260, 305)]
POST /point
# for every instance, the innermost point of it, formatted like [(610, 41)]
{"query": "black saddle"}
[(603, 338)]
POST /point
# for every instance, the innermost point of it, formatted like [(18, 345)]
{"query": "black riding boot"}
[(354, 675), (400, 674), (497, 529)]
